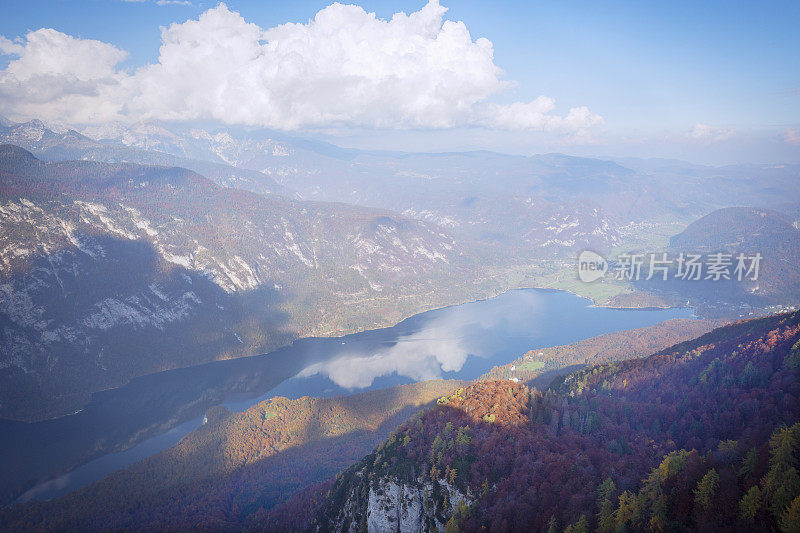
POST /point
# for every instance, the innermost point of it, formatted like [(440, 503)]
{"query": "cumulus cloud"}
[(791, 136), (709, 134), (345, 67), (537, 115), (57, 76)]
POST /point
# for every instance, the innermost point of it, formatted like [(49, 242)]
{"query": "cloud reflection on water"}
[(442, 344)]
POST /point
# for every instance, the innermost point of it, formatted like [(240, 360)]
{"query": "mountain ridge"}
[(178, 230)]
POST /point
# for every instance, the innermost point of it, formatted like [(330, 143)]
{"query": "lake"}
[(151, 413)]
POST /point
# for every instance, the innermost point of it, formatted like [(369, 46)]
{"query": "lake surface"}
[(122, 426)]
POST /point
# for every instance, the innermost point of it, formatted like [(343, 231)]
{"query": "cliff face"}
[(419, 479), (405, 507)]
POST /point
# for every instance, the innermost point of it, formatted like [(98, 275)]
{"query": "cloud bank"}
[(709, 134), (345, 67)]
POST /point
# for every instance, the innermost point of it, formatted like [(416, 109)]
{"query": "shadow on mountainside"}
[(74, 324), (236, 466)]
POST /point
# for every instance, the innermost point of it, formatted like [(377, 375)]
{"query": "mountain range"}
[(155, 248), (128, 251), (112, 270)]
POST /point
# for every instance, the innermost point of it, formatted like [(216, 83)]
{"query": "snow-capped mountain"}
[(52, 143)]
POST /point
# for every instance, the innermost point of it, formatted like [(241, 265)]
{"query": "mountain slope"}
[(630, 445), (235, 464), (492, 454), (732, 232), (749, 230), (115, 270), (539, 366)]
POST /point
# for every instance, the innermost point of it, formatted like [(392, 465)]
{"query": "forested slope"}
[(539, 365), (702, 436), (236, 466)]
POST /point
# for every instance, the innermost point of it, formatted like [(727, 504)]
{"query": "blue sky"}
[(651, 70)]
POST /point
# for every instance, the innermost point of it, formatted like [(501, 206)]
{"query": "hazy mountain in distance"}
[(446, 189), (626, 190), (657, 164), (536, 207), (749, 230), (68, 144), (262, 150), (528, 208), (774, 186)]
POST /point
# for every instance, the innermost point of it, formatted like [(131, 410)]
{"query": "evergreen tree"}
[(782, 482), (750, 503), (605, 515), (706, 488), (790, 519)]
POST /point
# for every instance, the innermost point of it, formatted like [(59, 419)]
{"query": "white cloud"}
[(57, 76), (791, 136), (345, 67), (173, 2), (536, 115), (709, 134), (42, 53), (163, 2)]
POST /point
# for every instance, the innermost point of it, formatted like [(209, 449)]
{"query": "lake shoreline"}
[(507, 325)]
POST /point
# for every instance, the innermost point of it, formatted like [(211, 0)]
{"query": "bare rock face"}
[(394, 506), (418, 479)]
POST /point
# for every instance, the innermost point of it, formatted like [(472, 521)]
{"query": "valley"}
[(399, 267), (138, 280), (457, 343), (230, 469)]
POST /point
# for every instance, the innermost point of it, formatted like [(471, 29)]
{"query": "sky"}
[(713, 82)]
